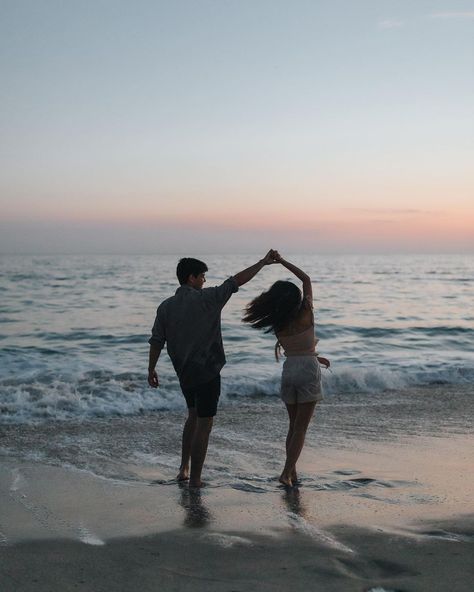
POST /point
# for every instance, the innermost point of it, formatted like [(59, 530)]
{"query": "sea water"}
[(398, 330)]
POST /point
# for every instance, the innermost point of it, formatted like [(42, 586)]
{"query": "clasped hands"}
[(272, 257)]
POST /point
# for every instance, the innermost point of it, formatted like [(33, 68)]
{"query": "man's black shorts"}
[(204, 397)]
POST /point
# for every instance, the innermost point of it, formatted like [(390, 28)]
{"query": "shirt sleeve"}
[(221, 294), (158, 335)]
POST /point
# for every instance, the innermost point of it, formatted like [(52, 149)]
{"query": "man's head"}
[(191, 272)]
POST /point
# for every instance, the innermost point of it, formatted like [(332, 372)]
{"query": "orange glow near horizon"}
[(369, 225), (334, 214)]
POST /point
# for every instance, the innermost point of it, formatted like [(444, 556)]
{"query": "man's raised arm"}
[(246, 275)]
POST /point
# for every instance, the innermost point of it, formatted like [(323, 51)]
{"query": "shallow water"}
[(247, 442)]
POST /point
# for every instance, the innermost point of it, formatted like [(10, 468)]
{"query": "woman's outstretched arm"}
[(300, 274)]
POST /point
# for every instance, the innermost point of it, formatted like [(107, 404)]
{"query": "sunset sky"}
[(231, 126)]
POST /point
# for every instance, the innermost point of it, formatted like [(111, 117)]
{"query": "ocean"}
[(399, 331)]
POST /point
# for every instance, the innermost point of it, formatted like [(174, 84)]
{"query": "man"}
[(190, 324)]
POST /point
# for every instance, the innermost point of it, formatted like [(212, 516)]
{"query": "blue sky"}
[(318, 125)]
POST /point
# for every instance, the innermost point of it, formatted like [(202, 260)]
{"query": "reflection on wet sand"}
[(292, 499), (196, 513), (300, 520)]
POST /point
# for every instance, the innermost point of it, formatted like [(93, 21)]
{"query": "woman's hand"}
[(277, 258), (270, 258), (324, 361)]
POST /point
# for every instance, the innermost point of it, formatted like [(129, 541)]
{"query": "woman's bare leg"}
[(303, 414), (291, 416)]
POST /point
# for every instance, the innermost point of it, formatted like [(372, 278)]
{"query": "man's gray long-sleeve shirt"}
[(190, 324)]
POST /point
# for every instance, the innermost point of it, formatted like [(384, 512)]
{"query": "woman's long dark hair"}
[(273, 310)]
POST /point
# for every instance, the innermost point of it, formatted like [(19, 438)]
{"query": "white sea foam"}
[(299, 523), (226, 540), (347, 379), (88, 537), (100, 395), (18, 481)]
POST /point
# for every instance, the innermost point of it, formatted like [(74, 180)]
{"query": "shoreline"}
[(387, 484)]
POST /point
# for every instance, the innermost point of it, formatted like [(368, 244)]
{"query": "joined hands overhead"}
[(272, 257)]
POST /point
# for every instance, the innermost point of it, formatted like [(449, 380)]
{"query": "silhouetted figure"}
[(289, 314), (190, 324)]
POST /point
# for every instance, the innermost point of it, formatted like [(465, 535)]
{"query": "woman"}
[(289, 314)]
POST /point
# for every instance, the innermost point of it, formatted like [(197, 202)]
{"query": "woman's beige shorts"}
[(301, 380)]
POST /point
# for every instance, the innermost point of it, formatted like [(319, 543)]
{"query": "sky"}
[(232, 126)]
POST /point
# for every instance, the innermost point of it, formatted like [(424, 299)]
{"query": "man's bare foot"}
[(183, 475), (294, 477), (286, 480), (194, 483)]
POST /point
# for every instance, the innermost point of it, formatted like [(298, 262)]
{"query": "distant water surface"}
[(74, 330)]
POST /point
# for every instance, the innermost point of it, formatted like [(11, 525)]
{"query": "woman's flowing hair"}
[(274, 309)]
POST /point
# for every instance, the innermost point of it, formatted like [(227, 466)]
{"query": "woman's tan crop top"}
[(299, 344)]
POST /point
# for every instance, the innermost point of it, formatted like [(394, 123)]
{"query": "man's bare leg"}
[(188, 434), (199, 449)]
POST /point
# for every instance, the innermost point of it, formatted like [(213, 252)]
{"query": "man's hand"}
[(269, 258), (277, 258), (153, 379), (246, 275)]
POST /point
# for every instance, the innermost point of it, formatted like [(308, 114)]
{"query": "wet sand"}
[(395, 516), (195, 560)]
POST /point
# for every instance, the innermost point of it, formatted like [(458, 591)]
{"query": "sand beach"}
[(386, 515)]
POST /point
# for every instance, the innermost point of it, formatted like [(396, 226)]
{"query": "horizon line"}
[(233, 253)]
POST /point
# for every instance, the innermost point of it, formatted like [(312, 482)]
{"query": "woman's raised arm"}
[(299, 273)]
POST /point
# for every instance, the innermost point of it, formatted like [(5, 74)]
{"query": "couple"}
[(190, 324)]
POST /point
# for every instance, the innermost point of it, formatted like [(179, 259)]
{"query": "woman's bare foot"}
[(285, 480), (183, 474)]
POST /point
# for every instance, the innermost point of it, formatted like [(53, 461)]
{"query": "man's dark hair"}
[(188, 266)]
